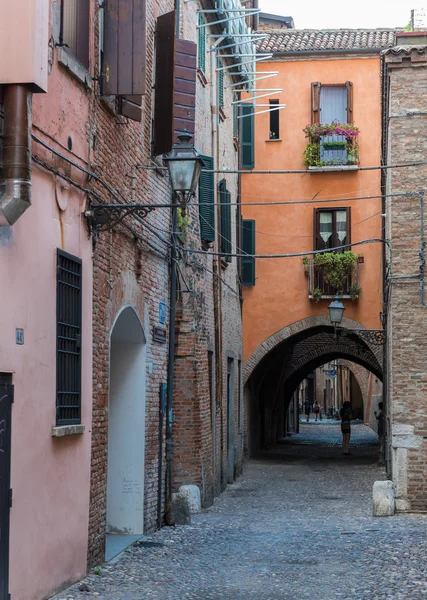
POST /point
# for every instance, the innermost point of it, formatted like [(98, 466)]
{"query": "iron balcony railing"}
[(318, 288)]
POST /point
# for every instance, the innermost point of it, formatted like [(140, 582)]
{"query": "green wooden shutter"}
[(248, 247), (220, 86), (235, 117), (225, 211), (201, 46), (247, 130), (206, 201)]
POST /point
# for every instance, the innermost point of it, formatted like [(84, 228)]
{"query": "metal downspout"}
[(15, 168)]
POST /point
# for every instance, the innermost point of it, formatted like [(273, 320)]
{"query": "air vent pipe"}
[(15, 167)]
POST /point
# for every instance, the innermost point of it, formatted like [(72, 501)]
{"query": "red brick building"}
[(405, 118)]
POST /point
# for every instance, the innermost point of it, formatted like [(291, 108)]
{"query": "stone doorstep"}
[(67, 430)]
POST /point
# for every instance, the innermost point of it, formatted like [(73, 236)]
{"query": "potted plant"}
[(306, 262), (336, 267), (316, 294)]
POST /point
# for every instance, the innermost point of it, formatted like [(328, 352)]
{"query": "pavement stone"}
[(298, 524)]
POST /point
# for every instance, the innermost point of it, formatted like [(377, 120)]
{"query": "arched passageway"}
[(126, 426), (278, 366)]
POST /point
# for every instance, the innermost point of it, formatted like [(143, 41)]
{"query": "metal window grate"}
[(68, 338)]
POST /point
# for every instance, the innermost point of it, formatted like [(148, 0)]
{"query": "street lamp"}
[(336, 311), (184, 166)]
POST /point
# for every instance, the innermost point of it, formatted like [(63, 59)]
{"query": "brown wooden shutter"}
[(316, 229), (124, 54), (348, 209), (175, 100), (315, 102), (349, 86), (130, 107)]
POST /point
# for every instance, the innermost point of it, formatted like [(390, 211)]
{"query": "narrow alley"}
[(296, 525)]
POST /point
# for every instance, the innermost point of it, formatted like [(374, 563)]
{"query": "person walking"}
[(346, 417), (380, 422), (316, 410), (307, 407)]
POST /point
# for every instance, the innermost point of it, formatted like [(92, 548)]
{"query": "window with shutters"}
[(68, 338), (75, 29), (235, 117), (224, 197), (333, 134), (247, 142), (248, 250), (206, 201), (332, 229), (201, 44)]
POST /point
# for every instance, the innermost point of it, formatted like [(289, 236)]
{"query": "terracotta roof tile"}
[(297, 40)]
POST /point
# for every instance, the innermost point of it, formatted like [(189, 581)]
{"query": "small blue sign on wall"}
[(162, 313), (19, 337), (333, 373)]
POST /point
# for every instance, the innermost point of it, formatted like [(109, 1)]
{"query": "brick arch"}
[(299, 327)]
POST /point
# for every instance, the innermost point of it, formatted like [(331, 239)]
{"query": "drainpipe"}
[(15, 169)]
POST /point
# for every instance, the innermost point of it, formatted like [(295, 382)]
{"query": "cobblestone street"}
[(296, 525)]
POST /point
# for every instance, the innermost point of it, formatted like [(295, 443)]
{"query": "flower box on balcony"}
[(332, 274), (331, 145)]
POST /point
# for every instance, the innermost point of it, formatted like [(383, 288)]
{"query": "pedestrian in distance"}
[(307, 407), (316, 410), (380, 422), (346, 417)]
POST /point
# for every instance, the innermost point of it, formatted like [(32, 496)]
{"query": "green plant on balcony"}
[(316, 294), (354, 291), (318, 134), (337, 267)]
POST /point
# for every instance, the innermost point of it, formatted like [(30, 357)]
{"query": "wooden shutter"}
[(248, 247), (315, 102), (348, 209), (175, 101), (201, 47), (124, 54), (130, 107), (220, 86), (206, 201), (316, 229), (349, 86), (247, 141), (225, 212)]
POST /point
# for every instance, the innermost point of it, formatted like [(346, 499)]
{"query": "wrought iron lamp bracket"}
[(376, 337)]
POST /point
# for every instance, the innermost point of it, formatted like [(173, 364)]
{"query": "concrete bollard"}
[(383, 499), (192, 495)]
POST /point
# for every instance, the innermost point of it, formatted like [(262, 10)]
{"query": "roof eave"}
[(340, 51)]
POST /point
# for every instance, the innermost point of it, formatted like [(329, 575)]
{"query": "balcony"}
[(320, 284), (332, 147)]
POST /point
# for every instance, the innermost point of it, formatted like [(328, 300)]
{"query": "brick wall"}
[(133, 268), (406, 72)]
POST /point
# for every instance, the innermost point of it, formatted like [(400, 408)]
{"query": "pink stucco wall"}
[(50, 476)]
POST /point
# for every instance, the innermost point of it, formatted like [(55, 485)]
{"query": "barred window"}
[(68, 338)]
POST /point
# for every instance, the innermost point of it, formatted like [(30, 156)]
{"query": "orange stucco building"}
[(324, 77)]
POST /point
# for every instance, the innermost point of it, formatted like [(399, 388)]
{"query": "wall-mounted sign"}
[(19, 336), (162, 313), (159, 335)]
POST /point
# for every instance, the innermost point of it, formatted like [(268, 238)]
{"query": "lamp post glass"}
[(184, 165), (336, 311)]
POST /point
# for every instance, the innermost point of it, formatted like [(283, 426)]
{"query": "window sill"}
[(333, 169), (333, 297), (63, 430), (274, 140), (202, 77), (67, 60)]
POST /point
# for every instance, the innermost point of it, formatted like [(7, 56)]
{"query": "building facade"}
[(405, 109), (319, 198)]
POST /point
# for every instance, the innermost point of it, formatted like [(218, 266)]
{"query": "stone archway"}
[(276, 367), (293, 329)]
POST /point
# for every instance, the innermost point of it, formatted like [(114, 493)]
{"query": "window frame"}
[(274, 116), (81, 52), (316, 90), (65, 380), (316, 228), (225, 226)]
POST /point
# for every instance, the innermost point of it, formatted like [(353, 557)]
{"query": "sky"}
[(336, 14)]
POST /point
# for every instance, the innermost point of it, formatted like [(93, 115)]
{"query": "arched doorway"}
[(126, 429)]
